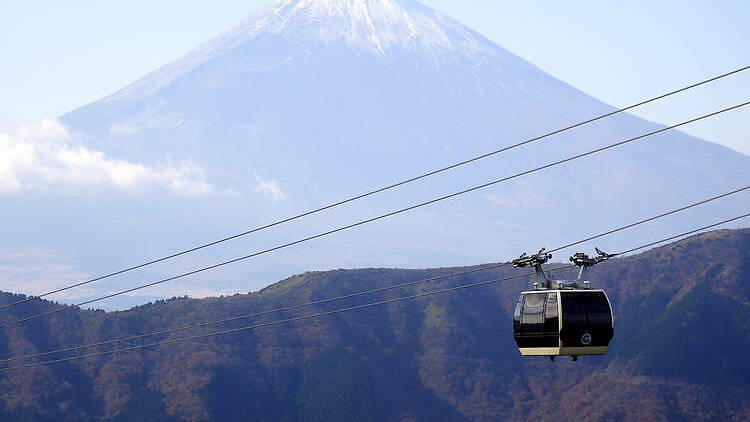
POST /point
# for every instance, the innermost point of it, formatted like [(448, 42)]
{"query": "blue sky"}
[(57, 56)]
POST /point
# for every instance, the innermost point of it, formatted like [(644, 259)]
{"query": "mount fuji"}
[(310, 101)]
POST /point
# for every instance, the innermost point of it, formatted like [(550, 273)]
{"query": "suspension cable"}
[(341, 310), (378, 190), (366, 292), (369, 220)]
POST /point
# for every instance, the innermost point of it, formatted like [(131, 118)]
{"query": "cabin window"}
[(551, 309), (598, 307), (551, 321), (533, 309), (517, 311), (586, 309), (574, 308)]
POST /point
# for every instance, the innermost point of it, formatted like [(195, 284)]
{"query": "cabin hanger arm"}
[(583, 262), (535, 261)]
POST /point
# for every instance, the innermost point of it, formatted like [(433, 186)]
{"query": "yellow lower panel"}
[(540, 351)]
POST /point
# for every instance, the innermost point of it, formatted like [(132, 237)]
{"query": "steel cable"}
[(378, 190), (366, 292), (347, 309), (369, 220)]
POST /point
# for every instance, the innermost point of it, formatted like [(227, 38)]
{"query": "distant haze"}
[(306, 102)]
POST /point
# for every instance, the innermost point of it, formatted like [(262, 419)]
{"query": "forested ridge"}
[(679, 353)]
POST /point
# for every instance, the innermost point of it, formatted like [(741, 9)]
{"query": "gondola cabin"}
[(562, 318), (563, 322)]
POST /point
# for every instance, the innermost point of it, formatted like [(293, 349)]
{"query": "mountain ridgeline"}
[(306, 102), (679, 352)]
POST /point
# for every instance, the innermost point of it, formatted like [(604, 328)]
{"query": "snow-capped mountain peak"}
[(380, 25), (384, 29)]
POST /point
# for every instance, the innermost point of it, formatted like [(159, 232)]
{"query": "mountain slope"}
[(446, 357), (306, 102)]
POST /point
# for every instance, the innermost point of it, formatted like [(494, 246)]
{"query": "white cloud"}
[(36, 157), (269, 188), (187, 177)]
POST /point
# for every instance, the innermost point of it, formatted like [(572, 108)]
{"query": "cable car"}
[(562, 318)]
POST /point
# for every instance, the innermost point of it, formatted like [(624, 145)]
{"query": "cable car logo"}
[(586, 339)]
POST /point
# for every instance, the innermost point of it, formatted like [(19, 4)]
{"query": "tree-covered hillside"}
[(679, 352)]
